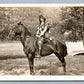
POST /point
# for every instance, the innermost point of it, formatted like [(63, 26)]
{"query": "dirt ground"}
[(14, 62)]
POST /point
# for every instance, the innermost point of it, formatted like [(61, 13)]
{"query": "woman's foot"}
[(37, 56)]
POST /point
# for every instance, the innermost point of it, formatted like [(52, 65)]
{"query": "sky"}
[(41, 1), (41, 82)]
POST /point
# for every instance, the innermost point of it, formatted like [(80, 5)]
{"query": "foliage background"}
[(62, 19)]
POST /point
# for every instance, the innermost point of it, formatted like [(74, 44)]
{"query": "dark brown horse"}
[(30, 46)]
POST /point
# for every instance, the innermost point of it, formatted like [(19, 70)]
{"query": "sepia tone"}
[(67, 33)]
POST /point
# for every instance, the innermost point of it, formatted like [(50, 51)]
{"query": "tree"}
[(73, 18), (9, 17)]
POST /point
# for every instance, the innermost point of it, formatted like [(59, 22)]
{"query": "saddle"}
[(48, 41)]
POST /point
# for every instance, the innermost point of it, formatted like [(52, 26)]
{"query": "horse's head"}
[(16, 31), (19, 30)]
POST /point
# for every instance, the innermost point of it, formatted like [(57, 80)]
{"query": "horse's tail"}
[(61, 47), (65, 52)]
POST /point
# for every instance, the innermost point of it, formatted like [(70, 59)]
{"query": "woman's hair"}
[(41, 17)]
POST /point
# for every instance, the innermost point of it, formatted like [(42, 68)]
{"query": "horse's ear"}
[(19, 23)]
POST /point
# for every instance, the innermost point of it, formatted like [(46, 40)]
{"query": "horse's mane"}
[(31, 44), (26, 30)]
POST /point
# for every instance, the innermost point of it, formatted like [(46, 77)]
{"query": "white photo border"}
[(41, 78)]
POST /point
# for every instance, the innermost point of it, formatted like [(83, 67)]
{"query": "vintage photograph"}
[(42, 41)]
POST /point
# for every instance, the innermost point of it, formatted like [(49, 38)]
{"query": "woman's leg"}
[(40, 43)]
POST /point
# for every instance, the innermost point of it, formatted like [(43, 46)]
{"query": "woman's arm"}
[(43, 32)]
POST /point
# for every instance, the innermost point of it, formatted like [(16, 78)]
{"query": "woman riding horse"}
[(43, 32), (30, 46)]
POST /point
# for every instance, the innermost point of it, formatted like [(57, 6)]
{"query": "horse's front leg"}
[(31, 63)]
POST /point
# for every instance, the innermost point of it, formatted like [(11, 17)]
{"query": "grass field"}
[(14, 62)]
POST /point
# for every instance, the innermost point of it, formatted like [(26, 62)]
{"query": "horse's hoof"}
[(64, 72), (32, 73)]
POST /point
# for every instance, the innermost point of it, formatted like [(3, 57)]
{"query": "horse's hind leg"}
[(62, 59), (63, 64)]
